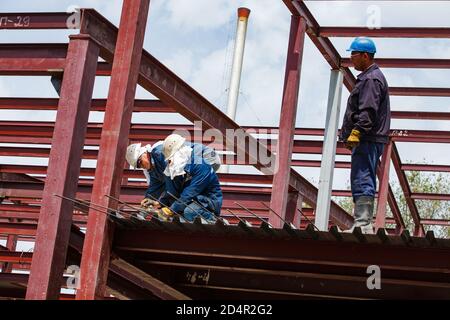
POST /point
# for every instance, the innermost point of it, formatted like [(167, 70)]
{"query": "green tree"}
[(419, 182)]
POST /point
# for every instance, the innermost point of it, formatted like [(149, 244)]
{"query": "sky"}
[(194, 38)]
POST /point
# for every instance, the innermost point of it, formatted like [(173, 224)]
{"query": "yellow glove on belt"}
[(353, 139)]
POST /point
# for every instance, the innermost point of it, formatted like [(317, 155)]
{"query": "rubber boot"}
[(363, 213)]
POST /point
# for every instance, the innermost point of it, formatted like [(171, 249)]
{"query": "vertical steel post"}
[(380, 221), (329, 150), (295, 201), (116, 127), (63, 171), (288, 114), (11, 243)]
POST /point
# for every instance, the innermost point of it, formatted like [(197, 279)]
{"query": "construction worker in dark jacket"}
[(365, 129)]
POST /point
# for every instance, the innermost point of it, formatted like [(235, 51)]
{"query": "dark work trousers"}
[(363, 174)]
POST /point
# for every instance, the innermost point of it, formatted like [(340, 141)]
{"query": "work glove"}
[(165, 214), (353, 139), (147, 202)]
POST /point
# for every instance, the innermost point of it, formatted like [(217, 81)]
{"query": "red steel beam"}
[(229, 177), (419, 230), (133, 193), (430, 196), (405, 63), (288, 115), (140, 105), (47, 127), (15, 257), (40, 59), (145, 280), (19, 229), (9, 213), (32, 59), (300, 146), (38, 20), (122, 89), (385, 32), (419, 92), (285, 253), (154, 132), (11, 243), (425, 167), (437, 222), (420, 115), (430, 222), (383, 192), (398, 219), (63, 170)]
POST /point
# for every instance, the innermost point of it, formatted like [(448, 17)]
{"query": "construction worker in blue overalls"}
[(365, 129), (164, 181), (192, 180)]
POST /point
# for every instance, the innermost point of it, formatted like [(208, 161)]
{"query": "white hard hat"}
[(172, 144), (134, 152)]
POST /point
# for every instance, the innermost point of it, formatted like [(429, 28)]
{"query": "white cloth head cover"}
[(178, 162)]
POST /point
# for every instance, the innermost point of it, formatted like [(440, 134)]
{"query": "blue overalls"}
[(157, 183), (198, 190)]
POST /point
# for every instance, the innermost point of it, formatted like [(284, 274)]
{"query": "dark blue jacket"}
[(157, 184), (368, 107), (200, 183)]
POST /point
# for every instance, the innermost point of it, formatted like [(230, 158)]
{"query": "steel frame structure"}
[(109, 257)]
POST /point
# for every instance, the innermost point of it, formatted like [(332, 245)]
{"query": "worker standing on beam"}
[(365, 129), (192, 179)]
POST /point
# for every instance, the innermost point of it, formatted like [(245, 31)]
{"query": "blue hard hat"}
[(363, 44)]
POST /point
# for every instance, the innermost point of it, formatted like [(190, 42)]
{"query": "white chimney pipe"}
[(236, 70), (243, 14)]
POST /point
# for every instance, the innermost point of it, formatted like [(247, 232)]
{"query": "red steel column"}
[(11, 243), (383, 191), (55, 217), (288, 115), (114, 138), (294, 202)]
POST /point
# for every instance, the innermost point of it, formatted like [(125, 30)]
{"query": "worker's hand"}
[(165, 214), (353, 140), (156, 205), (149, 202)]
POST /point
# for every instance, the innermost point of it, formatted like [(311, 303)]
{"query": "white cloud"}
[(188, 15), (207, 75), (180, 62)]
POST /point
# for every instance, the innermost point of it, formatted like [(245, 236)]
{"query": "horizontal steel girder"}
[(97, 104), (385, 32), (406, 63), (411, 268)]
